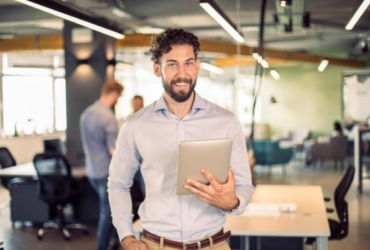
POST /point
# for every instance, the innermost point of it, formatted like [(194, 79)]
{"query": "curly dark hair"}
[(172, 36)]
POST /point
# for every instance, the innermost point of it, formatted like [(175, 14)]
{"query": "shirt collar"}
[(199, 103), (97, 102)]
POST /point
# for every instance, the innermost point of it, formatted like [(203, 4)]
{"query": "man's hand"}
[(130, 243), (218, 195)]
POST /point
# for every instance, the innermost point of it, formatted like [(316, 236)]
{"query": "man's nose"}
[(182, 71)]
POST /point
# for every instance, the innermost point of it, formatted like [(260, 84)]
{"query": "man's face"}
[(179, 69), (137, 104)]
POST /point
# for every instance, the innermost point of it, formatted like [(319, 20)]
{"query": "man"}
[(99, 131), (150, 138), (137, 103)]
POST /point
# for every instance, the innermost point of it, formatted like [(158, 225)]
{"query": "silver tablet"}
[(211, 155)]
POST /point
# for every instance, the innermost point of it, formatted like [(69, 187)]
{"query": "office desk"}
[(27, 170), (26, 206), (309, 220)]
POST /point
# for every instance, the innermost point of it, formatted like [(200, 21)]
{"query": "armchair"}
[(335, 150), (270, 153)]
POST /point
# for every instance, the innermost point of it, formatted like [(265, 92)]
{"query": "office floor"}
[(19, 238)]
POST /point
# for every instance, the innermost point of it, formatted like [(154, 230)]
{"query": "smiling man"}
[(149, 139)]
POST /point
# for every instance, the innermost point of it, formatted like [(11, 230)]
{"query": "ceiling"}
[(325, 35)]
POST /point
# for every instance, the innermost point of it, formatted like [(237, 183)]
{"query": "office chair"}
[(339, 229), (6, 160), (55, 187), (53, 146)]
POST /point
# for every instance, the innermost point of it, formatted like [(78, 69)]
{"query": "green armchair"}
[(269, 153)]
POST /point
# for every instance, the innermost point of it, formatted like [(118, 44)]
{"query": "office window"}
[(60, 104), (28, 104)]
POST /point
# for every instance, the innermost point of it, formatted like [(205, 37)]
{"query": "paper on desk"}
[(266, 214), (271, 207)]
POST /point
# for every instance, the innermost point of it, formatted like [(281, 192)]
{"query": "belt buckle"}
[(198, 243)]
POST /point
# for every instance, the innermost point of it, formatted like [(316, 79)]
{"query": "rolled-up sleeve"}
[(124, 164), (240, 166)]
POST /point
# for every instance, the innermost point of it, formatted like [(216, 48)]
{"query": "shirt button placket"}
[(184, 198)]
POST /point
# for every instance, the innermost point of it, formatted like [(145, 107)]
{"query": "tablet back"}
[(211, 155)]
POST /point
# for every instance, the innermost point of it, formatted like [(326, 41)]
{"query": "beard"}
[(181, 96)]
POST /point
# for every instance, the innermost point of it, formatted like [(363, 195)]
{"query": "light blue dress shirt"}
[(150, 139), (99, 132)]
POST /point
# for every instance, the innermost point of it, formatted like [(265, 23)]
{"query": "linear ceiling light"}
[(74, 16), (216, 13), (323, 65), (211, 68), (361, 9)]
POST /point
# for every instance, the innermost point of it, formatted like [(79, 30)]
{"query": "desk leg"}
[(321, 243), (246, 242)]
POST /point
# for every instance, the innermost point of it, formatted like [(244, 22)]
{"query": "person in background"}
[(150, 138), (99, 133), (137, 103)]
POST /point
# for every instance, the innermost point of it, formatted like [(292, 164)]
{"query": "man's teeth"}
[(180, 84)]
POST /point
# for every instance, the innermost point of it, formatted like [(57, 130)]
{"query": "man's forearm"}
[(121, 208)]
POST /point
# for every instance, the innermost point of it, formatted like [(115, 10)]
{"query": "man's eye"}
[(171, 65), (189, 63)]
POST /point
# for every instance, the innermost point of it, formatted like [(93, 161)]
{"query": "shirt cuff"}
[(125, 230), (239, 210)]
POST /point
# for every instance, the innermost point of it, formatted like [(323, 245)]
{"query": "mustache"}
[(180, 80)]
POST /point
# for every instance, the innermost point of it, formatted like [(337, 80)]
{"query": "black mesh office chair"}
[(55, 187), (339, 229), (6, 160), (53, 146)]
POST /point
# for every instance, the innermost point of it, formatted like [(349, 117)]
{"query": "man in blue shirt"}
[(99, 130), (150, 139)]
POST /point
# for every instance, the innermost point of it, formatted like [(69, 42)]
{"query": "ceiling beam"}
[(143, 40), (32, 43)]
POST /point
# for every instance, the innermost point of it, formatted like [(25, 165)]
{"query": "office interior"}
[(52, 69)]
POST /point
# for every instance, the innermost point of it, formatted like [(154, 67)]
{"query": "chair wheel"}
[(39, 237), (66, 234), (86, 232)]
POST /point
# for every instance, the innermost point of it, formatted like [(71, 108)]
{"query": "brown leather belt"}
[(216, 238)]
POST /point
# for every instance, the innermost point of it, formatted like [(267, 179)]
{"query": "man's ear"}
[(157, 69)]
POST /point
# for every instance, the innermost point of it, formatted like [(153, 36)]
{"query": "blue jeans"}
[(105, 231)]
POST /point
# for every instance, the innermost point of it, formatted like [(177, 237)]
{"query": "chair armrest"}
[(329, 210)]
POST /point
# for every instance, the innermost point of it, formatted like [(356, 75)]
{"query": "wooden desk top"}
[(28, 170), (310, 218)]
